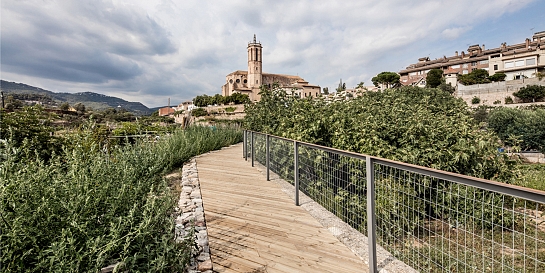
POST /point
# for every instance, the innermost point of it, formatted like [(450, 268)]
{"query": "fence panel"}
[(425, 218)]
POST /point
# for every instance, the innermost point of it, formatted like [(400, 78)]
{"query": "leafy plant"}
[(508, 100), (531, 93), (475, 100), (199, 112), (86, 209)]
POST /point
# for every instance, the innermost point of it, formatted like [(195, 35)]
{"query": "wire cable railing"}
[(432, 220)]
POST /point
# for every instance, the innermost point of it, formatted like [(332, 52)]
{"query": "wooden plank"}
[(254, 227)]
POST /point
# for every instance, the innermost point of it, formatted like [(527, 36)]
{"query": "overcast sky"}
[(148, 51)]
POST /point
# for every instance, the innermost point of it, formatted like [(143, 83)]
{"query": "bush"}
[(425, 127), (531, 93), (498, 77), (497, 102), (199, 112), (475, 100), (87, 209), (529, 124), (508, 100)]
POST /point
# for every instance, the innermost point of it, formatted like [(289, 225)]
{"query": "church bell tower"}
[(255, 64)]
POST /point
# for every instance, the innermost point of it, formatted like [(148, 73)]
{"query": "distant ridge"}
[(89, 99)]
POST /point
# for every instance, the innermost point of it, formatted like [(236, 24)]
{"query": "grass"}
[(86, 209), (532, 176)]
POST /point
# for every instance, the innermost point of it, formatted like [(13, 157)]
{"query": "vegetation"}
[(480, 76), (426, 127), (531, 93), (389, 79), (475, 100), (205, 100), (434, 78), (22, 92), (85, 207), (414, 120), (508, 100), (525, 126), (199, 112)]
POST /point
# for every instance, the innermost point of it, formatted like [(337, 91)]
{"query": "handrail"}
[(525, 194), (495, 186)]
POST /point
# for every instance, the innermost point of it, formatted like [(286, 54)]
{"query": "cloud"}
[(150, 50), (454, 33)]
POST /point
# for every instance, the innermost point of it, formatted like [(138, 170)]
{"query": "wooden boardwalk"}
[(254, 227)]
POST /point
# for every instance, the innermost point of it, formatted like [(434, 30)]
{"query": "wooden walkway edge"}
[(254, 227)]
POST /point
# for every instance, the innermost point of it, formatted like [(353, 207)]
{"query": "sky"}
[(150, 51)]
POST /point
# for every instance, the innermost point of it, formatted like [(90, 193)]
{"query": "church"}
[(250, 82)]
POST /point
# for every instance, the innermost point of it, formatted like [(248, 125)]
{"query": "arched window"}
[(231, 81), (245, 81), (238, 80)]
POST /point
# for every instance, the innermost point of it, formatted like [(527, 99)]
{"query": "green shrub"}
[(199, 112), (529, 124), (230, 109), (497, 102), (475, 100), (531, 93), (86, 209), (508, 100)]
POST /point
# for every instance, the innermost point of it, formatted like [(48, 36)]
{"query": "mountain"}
[(89, 99)]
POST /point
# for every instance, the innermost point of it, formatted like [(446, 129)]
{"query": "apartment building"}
[(517, 61)]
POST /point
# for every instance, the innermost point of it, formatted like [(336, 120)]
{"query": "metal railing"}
[(432, 220)]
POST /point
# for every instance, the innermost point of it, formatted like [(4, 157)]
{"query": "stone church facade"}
[(250, 82)]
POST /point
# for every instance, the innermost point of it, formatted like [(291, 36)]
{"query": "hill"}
[(89, 99)]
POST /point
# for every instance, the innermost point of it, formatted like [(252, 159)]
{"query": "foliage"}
[(532, 176), (446, 87), (199, 112), (479, 76), (508, 100), (531, 93), (87, 209), (529, 124), (480, 113), (31, 128), (205, 100), (64, 106), (425, 127), (475, 100), (11, 103), (498, 77), (434, 78), (497, 102), (230, 109), (326, 90), (389, 79)]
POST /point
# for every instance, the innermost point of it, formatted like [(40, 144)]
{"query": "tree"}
[(434, 78), (64, 106), (527, 124), (360, 85), (390, 79), (80, 108), (326, 90), (530, 93), (446, 87), (498, 77), (477, 76), (341, 87)]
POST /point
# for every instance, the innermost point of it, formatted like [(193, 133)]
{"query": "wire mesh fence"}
[(433, 221)]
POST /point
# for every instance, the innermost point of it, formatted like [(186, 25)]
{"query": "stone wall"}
[(496, 91)]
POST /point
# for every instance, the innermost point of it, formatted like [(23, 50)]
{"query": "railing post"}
[(244, 147), (371, 216), (253, 150), (296, 170), (268, 156)]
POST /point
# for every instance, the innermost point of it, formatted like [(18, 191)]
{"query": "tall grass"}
[(86, 209)]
